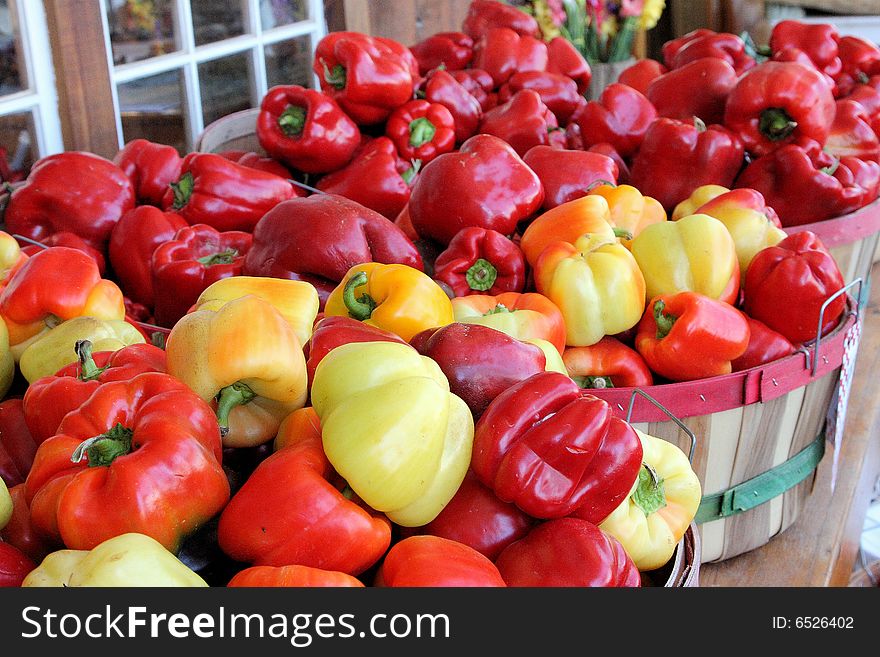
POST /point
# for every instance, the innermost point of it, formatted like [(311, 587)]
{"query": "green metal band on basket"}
[(764, 487)]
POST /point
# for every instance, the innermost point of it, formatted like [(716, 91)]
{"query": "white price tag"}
[(837, 414)]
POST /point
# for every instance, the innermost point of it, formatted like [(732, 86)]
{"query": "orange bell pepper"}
[(607, 364), (630, 211)]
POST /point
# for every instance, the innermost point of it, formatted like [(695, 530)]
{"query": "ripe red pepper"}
[(306, 129), (432, 561), (677, 157), (14, 566), (479, 84), (567, 552), (481, 261), (687, 336), (151, 167), (608, 150), (786, 285), (859, 59), (620, 117), (421, 130), (700, 88), (523, 121), (550, 448), (558, 92), (818, 41), (851, 133), (765, 346), (800, 57), (152, 448), (224, 194), (563, 58), (640, 75), (72, 241), (20, 532), (72, 191), (17, 445), (485, 14), (703, 43), (442, 88), (259, 162), (493, 187), (132, 242), (607, 364), (777, 102), (194, 258), (298, 576), (367, 76), (868, 96), (501, 52), (569, 174), (451, 51)]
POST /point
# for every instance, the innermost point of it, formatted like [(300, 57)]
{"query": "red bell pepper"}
[(132, 242), (569, 174), (800, 57), (306, 129), (687, 336), (818, 41), (868, 96), (608, 150), (153, 466), (493, 187), (700, 88), (563, 58), (432, 561), (17, 445), (442, 88), (640, 75), (523, 121), (550, 448), (485, 14), (567, 552), (421, 130), (677, 157), (479, 84), (501, 52), (558, 92), (73, 241), (481, 260), (296, 576), (292, 510), (776, 103), (804, 184), (320, 237), (194, 258), (259, 162), (859, 59), (151, 167), (620, 117), (367, 76), (786, 285), (20, 531), (607, 364), (14, 566), (851, 133), (72, 191), (224, 194), (765, 346), (715, 45), (451, 51)]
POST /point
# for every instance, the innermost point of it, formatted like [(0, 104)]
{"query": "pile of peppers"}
[(366, 353)]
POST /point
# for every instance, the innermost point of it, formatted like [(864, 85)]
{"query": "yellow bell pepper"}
[(56, 348), (297, 301), (247, 356), (392, 429), (11, 257), (127, 560), (629, 210), (663, 502), (397, 298), (5, 504), (597, 285), (554, 362), (695, 253), (7, 361), (700, 196)]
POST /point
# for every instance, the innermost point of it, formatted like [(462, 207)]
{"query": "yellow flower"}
[(544, 16), (609, 26), (651, 13)]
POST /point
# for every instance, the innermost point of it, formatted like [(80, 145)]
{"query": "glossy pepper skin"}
[(558, 92), (433, 561), (479, 84), (72, 191), (701, 44), (765, 346), (630, 212), (777, 102), (224, 194), (551, 448), (568, 174), (620, 117), (702, 195), (481, 261), (20, 532), (421, 130), (496, 189), (442, 88), (687, 336), (700, 88), (297, 576), (184, 266), (317, 239), (394, 297), (151, 167), (523, 121), (367, 76), (567, 552), (451, 51), (641, 74), (372, 398), (11, 258), (73, 241), (7, 361), (291, 510), (851, 133), (483, 15), (501, 52), (563, 58), (157, 456), (14, 566), (860, 58), (819, 41), (607, 364), (786, 285), (257, 161), (305, 129), (17, 445)]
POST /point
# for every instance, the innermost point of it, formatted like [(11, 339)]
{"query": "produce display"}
[(368, 354)]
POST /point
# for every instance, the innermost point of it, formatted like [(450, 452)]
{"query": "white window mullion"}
[(41, 76), (23, 101), (196, 122), (258, 54)]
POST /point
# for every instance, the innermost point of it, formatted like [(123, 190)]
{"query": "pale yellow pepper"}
[(5, 504)]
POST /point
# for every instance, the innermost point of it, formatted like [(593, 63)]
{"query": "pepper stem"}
[(89, 371), (104, 449), (238, 394), (410, 173), (663, 319), (622, 233), (649, 494), (776, 124), (292, 120), (335, 77), (183, 190), (362, 307), (481, 275), (500, 308), (593, 382), (831, 168), (421, 131), (222, 258)]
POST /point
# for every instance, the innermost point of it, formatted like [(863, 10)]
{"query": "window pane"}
[(215, 21), (282, 12), (13, 75), (139, 30), (17, 146), (152, 108), (225, 86), (289, 62)]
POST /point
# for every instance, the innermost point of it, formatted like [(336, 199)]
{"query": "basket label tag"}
[(836, 418)]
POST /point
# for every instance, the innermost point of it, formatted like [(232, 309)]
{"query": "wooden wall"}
[(407, 22)]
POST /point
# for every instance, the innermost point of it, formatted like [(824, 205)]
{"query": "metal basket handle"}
[(669, 414), (813, 362)]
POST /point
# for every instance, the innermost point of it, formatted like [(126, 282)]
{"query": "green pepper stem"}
[(362, 307), (500, 308), (183, 190), (599, 183), (622, 233), (410, 173), (421, 131), (699, 124), (481, 275), (237, 394), (649, 494), (663, 319), (831, 168), (89, 370), (593, 382), (222, 258), (776, 124), (292, 120), (105, 448), (335, 77)]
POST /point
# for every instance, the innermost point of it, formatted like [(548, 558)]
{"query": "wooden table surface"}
[(821, 547)]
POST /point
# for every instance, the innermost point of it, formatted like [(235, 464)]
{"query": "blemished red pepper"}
[(485, 14), (265, 163), (421, 130), (151, 167), (702, 44), (494, 189), (189, 262), (620, 117), (14, 566), (567, 552), (20, 531), (550, 448), (442, 88), (501, 52), (700, 88), (367, 76), (786, 285), (860, 59), (851, 132), (481, 261), (818, 41), (132, 242), (479, 84), (776, 103), (523, 121), (292, 510), (687, 336), (432, 561), (804, 184), (306, 129), (640, 75), (72, 191), (563, 58), (291, 576), (558, 92), (17, 445), (765, 346), (677, 157), (607, 364), (150, 446), (73, 241), (569, 174), (451, 51), (224, 194)]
